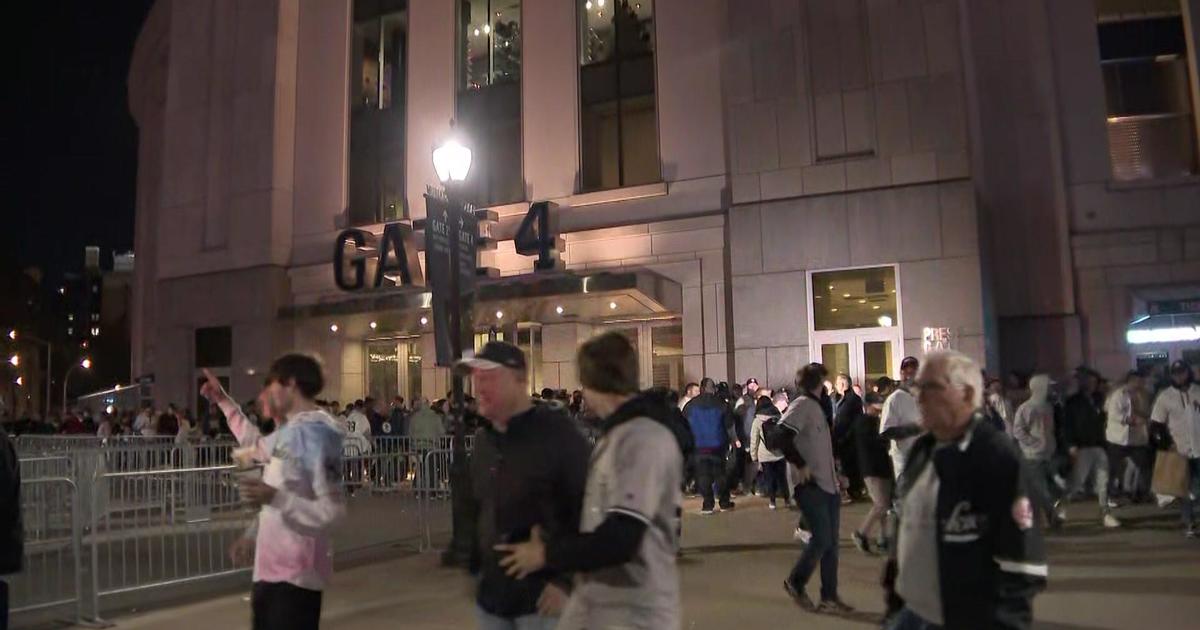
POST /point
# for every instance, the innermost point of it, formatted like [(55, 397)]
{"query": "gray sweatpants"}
[(1091, 462)]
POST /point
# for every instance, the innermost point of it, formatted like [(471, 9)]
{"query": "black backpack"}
[(776, 436)]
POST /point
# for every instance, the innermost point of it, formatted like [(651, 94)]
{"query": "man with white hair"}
[(967, 551)]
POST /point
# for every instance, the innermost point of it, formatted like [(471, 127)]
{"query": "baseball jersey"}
[(637, 471)]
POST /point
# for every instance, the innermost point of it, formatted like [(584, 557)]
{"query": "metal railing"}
[(52, 575), (130, 518), (162, 527)]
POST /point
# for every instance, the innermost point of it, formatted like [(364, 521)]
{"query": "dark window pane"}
[(377, 109), (618, 124), (489, 99), (214, 346)]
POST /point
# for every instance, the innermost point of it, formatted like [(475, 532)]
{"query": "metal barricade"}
[(163, 527), (434, 494), (52, 573), (47, 466)]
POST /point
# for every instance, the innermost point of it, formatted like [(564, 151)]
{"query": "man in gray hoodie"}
[(1033, 428)]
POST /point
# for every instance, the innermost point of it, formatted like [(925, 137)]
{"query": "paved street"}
[(733, 566)]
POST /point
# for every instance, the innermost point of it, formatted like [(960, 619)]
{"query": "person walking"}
[(624, 553), (900, 421), (1178, 408), (876, 468), (1033, 430), (810, 451), (743, 471), (528, 469), (968, 552), (774, 468), (12, 531), (300, 493), (1084, 434), (712, 425), (847, 409), (1128, 436)]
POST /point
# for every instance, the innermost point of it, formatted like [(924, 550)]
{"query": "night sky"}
[(69, 144)]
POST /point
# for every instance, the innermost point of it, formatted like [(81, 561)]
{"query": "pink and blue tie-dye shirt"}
[(303, 461)]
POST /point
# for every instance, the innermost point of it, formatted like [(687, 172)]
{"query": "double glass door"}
[(865, 356)]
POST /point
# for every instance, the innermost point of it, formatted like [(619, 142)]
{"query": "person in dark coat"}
[(848, 408)]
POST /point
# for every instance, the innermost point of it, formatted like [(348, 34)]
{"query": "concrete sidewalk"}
[(1145, 575)]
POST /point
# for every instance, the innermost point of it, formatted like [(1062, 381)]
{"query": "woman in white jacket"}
[(773, 467)]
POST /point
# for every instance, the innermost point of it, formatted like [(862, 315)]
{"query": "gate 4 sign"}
[(395, 258), (933, 339)]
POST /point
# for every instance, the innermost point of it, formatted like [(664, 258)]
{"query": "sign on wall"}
[(936, 338)]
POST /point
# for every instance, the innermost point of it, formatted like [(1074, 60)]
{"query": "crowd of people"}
[(576, 499)]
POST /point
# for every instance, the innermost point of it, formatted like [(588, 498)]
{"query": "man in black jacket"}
[(1087, 442), (12, 533), (967, 552), (528, 470), (845, 413)]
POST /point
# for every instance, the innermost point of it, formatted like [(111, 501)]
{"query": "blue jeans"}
[(908, 620), (488, 621), (822, 511), (1189, 502)]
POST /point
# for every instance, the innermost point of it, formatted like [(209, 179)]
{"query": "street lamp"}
[(15, 360), (86, 364), (452, 162), (12, 334)]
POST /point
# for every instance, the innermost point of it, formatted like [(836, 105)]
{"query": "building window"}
[(854, 298), (95, 331), (214, 347), (70, 317), (378, 72), (667, 361), (618, 123), (393, 369), (1144, 61), (489, 98)]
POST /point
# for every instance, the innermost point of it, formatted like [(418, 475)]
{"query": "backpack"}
[(776, 436)]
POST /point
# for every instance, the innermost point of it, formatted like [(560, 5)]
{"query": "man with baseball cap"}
[(528, 469), (1178, 407), (900, 420)]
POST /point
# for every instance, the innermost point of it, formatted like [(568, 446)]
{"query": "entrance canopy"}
[(600, 297)]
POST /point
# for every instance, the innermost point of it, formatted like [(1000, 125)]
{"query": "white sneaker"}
[(802, 535), (1060, 510), (1111, 521)]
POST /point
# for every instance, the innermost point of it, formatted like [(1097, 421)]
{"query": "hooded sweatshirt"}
[(1033, 424), (303, 463)]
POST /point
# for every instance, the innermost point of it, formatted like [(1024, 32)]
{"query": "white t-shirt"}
[(917, 553), (900, 409), (1180, 411)]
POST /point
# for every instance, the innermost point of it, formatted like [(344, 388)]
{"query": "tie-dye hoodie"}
[(303, 462)]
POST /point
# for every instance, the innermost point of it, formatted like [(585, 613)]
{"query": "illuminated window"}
[(1144, 61), (95, 331), (854, 298), (618, 123)]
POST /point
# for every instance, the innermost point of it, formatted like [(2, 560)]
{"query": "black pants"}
[(283, 606), (775, 480), (1142, 458), (710, 469)]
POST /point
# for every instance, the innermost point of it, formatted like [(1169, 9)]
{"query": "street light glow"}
[(12, 334), (452, 161), (86, 364), (15, 360), (20, 381)]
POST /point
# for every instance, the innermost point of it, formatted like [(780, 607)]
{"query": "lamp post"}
[(86, 364), (12, 334), (452, 162)]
